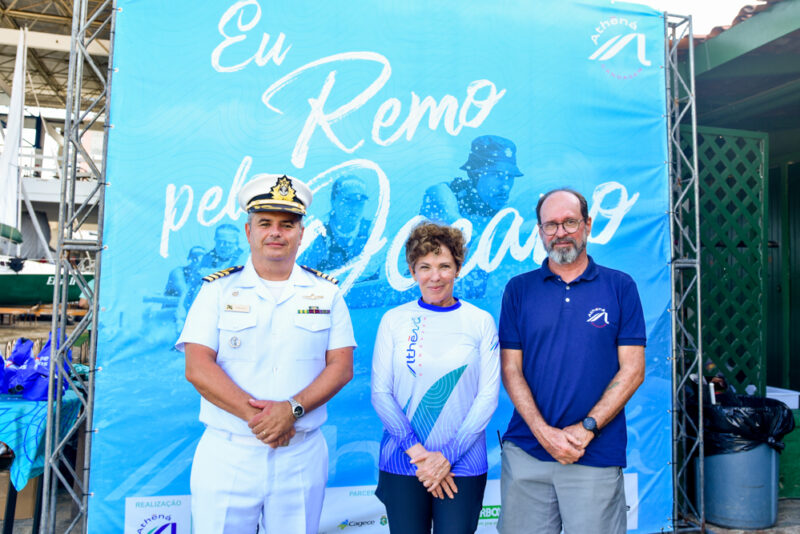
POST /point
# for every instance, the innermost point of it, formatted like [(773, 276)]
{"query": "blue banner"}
[(391, 112)]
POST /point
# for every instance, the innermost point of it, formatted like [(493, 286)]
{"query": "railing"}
[(34, 163)]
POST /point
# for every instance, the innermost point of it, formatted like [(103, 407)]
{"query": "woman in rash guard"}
[(435, 380)]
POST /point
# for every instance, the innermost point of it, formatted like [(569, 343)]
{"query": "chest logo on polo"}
[(598, 318)]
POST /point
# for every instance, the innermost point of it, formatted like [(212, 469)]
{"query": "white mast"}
[(9, 159)]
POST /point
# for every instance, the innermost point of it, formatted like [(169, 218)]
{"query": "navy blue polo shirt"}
[(568, 334)]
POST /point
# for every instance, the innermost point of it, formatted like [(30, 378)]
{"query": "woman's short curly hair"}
[(430, 237)]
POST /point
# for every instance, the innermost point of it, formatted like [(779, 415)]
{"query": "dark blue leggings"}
[(411, 509)]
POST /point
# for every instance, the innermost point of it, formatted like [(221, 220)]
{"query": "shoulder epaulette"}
[(322, 275), (223, 273)]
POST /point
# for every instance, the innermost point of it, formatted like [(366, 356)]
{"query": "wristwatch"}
[(591, 425), (297, 409)]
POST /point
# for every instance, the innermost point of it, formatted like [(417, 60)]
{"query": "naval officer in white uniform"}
[(267, 345)]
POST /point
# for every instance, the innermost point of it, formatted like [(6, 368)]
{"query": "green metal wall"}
[(776, 286), (783, 286), (793, 321)]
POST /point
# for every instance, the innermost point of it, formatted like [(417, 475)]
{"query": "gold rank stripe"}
[(296, 207), (223, 273), (322, 275)]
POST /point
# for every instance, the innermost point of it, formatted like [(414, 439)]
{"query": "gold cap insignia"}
[(275, 192), (283, 190)]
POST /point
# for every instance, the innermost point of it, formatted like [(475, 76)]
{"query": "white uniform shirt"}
[(271, 349)]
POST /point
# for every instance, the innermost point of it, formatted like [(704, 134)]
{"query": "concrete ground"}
[(34, 329), (788, 521), (64, 516)]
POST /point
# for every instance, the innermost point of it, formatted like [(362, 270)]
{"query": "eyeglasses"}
[(569, 226)]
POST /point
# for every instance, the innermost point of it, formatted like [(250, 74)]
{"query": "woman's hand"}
[(446, 487), (433, 470)]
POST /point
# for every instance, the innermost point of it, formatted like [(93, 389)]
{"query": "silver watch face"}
[(297, 409)]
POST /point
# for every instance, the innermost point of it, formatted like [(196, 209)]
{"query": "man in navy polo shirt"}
[(572, 338)]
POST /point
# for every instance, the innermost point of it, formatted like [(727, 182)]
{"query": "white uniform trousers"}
[(238, 482)]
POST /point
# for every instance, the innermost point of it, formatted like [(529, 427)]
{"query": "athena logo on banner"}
[(158, 515), (615, 40)]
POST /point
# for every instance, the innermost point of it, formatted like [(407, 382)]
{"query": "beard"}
[(565, 256)]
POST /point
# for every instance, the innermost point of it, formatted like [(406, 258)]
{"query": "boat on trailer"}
[(26, 282)]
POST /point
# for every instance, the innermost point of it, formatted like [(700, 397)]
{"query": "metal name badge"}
[(242, 308), (235, 342)]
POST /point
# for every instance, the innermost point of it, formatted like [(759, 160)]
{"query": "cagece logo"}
[(620, 49), (347, 523)]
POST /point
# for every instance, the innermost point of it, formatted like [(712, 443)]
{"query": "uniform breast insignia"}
[(242, 308), (322, 275), (313, 310), (312, 296), (223, 273)]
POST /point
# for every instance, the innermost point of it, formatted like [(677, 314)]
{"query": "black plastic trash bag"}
[(756, 420)]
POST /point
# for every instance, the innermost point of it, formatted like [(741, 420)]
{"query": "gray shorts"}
[(545, 497)]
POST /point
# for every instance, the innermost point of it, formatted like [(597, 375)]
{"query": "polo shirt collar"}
[(590, 273)]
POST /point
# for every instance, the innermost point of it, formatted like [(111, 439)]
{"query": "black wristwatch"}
[(297, 409), (591, 425)]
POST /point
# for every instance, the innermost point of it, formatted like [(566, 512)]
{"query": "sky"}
[(705, 13)]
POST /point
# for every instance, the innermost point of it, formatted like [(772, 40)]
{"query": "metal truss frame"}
[(81, 114), (687, 351)]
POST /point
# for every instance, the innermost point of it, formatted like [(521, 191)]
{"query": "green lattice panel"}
[(733, 189)]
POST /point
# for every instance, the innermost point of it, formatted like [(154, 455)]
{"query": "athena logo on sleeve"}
[(412, 352)]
